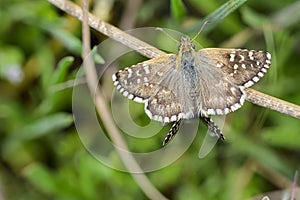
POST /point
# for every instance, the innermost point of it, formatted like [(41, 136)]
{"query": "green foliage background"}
[(41, 154)]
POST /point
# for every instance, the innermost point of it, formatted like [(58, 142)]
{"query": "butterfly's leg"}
[(213, 127), (172, 132)]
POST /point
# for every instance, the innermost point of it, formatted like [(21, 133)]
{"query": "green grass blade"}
[(219, 15)]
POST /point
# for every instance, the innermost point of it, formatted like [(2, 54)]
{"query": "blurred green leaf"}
[(42, 16), (204, 6), (177, 9), (45, 60), (261, 153), (96, 56), (69, 41), (44, 126), (219, 15), (60, 73), (10, 55), (41, 178), (56, 93), (59, 185), (255, 20), (287, 16), (33, 130), (282, 136)]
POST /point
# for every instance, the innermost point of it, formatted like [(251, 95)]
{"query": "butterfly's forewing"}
[(140, 81), (153, 82), (240, 66)]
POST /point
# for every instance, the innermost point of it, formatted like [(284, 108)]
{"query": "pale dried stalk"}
[(273, 103), (92, 80), (149, 51)]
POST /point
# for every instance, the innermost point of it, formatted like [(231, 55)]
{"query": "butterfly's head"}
[(186, 44)]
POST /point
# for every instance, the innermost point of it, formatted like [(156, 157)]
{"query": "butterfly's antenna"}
[(201, 29), (170, 36)]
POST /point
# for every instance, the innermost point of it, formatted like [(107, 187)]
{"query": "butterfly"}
[(193, 84)]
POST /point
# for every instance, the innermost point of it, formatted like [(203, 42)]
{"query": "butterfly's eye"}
[(179, 47)]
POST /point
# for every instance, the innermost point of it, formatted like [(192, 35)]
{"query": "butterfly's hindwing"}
[(213, 94), (163, 106)]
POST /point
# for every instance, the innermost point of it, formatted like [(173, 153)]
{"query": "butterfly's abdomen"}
[(190, 77)]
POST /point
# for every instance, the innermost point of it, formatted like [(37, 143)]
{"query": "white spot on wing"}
[(232, 56), (130, 96), (255, 79), (138, 73), (264, 70), (167, 119), (268, 55), (114, 77), (260, 74), (129, 73), (146, 68), (248, 84), (211, 111), (219, 111), (242, 58), (160, 74), (139, 100), (251, 55), (266, 66), (219, 65), (173, 118), (226, 110), (125, 93)]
